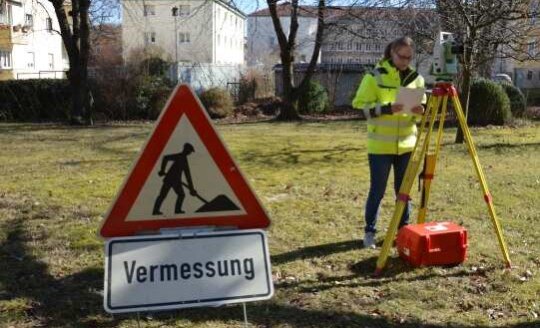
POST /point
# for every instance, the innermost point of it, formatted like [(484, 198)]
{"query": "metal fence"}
[(42, 75), (204, 76)]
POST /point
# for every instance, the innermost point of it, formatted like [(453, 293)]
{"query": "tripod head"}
[(445, 51)]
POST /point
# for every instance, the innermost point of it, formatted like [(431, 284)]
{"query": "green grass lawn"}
[(56, 182)]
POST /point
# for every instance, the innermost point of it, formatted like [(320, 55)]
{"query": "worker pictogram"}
[(184, 176)]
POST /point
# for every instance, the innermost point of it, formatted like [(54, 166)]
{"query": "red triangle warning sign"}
[(184, 176)]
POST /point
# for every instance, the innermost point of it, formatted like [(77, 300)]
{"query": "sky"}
[(249, 6)]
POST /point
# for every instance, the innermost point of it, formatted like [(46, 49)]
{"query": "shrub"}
[(247, 89), (314, 100), (517, 99), (489, 104), (152, 94), (218, 102), (35, 100), (155, 66)]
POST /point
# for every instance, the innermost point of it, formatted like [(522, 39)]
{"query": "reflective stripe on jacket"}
[(387, 133)]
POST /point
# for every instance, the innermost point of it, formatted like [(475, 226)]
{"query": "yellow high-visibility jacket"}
[(387, 133)]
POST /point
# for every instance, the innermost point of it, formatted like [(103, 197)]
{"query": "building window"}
[(149, 10), (149, 38), (532, 48), (184, 10), (51, 62), (30, 60), (377, 47), (529, 75), (358, 46), (48, 24), (349, 45), (183, 37), (5, 59), (533, 8), (29, 20), (5, 14)]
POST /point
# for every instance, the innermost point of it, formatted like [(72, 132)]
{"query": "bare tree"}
[(74, 21), (488, 29), (287, 45)]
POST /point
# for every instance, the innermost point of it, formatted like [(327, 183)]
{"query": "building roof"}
[(285, 10), (231, 6), (339, 12)]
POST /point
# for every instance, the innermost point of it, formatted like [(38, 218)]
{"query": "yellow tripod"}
[(437, 106)]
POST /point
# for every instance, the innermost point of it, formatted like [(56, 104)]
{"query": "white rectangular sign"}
[(170, 271)]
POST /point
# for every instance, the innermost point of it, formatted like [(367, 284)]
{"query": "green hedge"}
[(314, 100), (517, 99), (35, 100), (489, 104)]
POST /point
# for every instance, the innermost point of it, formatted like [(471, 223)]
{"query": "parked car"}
[(504, 78)]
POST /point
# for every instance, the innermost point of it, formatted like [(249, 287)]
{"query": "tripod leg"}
[(420, 149), (427, 176), (430, 162), (481, 177)]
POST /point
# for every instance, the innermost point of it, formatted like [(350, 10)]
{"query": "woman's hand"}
[(419, 110), (396, 108)]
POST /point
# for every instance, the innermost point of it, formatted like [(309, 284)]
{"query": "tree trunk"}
[(287, 46), (289, 111), (77, 112), (289, 107), (464, 99), (468, 66), (76, 38)]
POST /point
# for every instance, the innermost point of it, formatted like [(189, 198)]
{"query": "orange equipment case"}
[(433, 243)]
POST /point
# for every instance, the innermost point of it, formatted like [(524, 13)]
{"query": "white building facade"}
[(30, 45), (262, 43), (189, 31)]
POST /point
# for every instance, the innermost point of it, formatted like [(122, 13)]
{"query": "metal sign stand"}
[(246, 324)]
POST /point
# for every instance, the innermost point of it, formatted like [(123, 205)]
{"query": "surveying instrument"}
[(444, 68)]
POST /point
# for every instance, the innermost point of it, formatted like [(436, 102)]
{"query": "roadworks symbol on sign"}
[(184, 176)]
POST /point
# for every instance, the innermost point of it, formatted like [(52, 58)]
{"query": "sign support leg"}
[(246, 324)]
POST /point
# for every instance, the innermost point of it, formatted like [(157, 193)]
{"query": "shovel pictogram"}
[(218, 204)]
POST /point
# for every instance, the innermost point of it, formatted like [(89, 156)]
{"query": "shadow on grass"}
[(292, 156), (316, 251), (363, 276), (501, 146), (14, 127), (70, 301), (74, 300), (270, 314)]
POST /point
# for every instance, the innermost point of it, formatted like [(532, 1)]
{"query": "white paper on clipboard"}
[(409, 98)]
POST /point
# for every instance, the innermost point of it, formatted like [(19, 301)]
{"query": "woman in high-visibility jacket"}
[(391, 132)]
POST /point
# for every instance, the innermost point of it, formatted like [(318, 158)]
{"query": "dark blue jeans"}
[(379, 170)]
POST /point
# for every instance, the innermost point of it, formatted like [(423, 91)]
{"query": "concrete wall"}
[(204, 76), (341, 81)]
